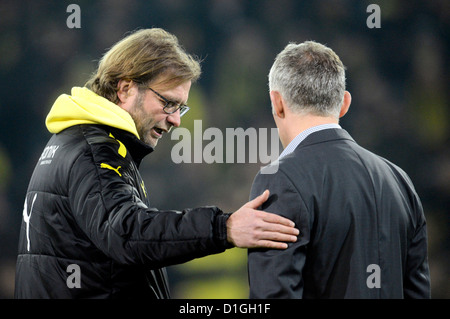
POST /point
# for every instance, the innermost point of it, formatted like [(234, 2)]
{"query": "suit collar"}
[(325, 136)]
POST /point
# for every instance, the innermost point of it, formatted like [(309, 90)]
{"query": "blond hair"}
[(144, 56)]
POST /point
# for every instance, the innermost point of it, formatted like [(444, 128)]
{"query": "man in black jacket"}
[(88, 229), (362, 226)]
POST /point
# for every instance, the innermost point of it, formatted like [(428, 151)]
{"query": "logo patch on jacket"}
[(48, 154), (122, 149), (107, 166)]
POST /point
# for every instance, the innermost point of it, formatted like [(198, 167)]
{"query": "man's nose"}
[(174, 119)]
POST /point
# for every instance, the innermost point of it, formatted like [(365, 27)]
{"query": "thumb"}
[(258, 201)]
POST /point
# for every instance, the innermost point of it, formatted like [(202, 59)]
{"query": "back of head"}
[(310, 77), (144, 56)]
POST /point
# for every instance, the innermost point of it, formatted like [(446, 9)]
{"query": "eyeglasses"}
[(171, 107)]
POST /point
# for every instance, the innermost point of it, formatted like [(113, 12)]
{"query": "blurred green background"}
[(398, 76)]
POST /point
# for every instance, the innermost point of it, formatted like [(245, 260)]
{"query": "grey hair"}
[(310, 77)]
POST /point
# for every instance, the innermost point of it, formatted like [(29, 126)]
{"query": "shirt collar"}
[(300, 137)]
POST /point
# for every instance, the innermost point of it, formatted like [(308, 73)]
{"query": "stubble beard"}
[(144, 123)]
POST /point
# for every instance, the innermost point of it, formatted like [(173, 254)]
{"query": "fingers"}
[(271, 244), (258, 201), (275, 219), (252, 228), (275, 231), (275, 238), (271, 239), (280, 233)]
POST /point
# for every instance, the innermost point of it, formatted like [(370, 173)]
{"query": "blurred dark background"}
[(397, 74)]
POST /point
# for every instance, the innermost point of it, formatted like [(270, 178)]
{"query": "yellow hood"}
[(86, 107)]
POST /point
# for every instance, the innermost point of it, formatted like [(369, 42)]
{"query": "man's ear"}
[(278, 104), (345, 103), (123, 92)]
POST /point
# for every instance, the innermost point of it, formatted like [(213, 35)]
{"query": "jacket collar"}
[(325, 136), (135, 146)]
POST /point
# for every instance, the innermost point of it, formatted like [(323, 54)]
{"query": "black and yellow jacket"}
[(88, 229)]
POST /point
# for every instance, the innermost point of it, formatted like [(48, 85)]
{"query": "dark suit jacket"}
[(362, 227)]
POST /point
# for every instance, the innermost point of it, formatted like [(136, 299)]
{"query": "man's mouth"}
[(159, 131)]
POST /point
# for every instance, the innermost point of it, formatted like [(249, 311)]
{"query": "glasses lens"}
[(170, 107), (184, 110)]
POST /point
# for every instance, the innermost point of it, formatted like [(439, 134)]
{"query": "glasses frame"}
[(182, 107)]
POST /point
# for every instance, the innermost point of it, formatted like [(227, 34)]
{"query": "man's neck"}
[(298, 124)]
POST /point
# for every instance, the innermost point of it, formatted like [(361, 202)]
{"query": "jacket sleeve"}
[(110, 212), (417, 273), (278, 273)]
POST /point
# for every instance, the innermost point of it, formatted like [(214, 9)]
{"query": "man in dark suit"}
[(362, 226)]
